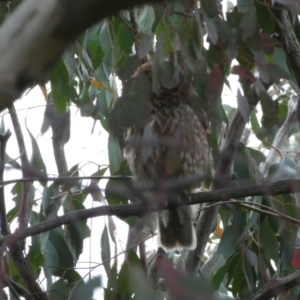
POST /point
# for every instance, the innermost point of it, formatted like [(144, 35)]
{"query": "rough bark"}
[(36, 34)]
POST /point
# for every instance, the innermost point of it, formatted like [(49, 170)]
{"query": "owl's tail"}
[(176, 229)]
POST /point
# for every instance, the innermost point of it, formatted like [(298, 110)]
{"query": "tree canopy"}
[(87, 53)]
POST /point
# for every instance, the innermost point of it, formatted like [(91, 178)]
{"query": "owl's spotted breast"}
[(171, 145)]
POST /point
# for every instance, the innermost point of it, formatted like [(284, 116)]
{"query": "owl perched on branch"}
[(168, 143)]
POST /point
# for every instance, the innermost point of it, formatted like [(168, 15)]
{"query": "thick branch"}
[(222, 177), (123, 211), (290, 41), (276, 286), (36, 34)]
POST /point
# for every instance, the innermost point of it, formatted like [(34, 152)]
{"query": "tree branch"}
[(15, 249), (223, 175), (276, 286), (23, 215), (37, 32), (66, 180), (282, 134), (3, 221), (289, 40), (126, 210)]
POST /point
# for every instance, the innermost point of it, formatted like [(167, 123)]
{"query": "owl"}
[(171, 147)]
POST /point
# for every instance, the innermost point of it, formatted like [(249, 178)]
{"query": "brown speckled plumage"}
[(172, 144)]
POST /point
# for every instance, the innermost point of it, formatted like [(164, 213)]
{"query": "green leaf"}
[(127, 69), (35, 255), (59, 76), (2, 127), (214, 86), (235, 273), (227, 244), (249, 23), (17, 191), (145, 45), (59, 122), (60, 86), (113, 192), (243, 106), (249, 276), (146, 18), (243, 5), (287, 238), (277, 72), (142, 288), (112, 294), (85, 290), (125, 39), (96, 53), (76, 231), (12, 214), (12, 162), (258, 156), (228, 38), (105, 36), (86, 103), (287, 169), (223, 296), (211, 27), (264, 18), (243, 163), (132, 262), (254, 123), (57, 255), (50, 207), (36, 159), (114, 155), (110, 60), (105, 250), (232, 234), (70, 60), (133, 108), (220, 275), (211, 7), (126, 296), (60, 290), (112, 279), (269, 242), (280, 60), (59, 98)]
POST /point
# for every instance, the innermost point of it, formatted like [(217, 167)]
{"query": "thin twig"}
[(16, 248), (66, 180), (23, 214), (3, 222)]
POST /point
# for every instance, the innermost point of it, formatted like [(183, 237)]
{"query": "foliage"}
[(212, 50)]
